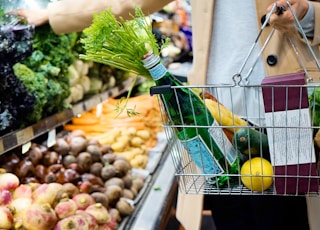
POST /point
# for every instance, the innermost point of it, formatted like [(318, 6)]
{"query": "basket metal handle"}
[(237, 78)]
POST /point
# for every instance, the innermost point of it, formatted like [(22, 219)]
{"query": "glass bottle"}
[(209, 148)]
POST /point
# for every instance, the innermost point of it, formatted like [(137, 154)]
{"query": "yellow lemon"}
[(256, 174)]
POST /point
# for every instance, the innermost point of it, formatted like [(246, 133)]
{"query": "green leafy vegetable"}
[(314, 101), (51, 57), (120, 43), (36, 83)]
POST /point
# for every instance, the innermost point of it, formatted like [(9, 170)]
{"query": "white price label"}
[(51, 141), (99, 108), (25, 147)]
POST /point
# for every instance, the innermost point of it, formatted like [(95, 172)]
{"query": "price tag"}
[(1, 147), (51, 141), (99, 108), (25, 147), (24, 135)]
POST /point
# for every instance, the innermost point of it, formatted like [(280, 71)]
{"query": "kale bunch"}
[(52, 55), (15, 39), (36, 84), (15, 45)]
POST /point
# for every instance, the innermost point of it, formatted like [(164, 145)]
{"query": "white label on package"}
[(290, 137), (223, 143)]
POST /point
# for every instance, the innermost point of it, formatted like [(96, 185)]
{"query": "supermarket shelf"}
[(25, 135)]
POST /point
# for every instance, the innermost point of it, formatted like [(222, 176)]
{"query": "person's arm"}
[(307, 22), (37, 17), (67, 16)]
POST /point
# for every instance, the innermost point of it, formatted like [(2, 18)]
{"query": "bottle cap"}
[(149, 60)]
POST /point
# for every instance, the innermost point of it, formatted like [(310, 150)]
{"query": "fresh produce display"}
[(89, 78), (78, 80), (15, 45), (44, 70), (34, 62), (128, 136), (52, 55), (103, 77), (50, 206), (62, 184)]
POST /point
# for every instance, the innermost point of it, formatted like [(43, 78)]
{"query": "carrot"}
[(85, 128), (84, 121), (127, 120)]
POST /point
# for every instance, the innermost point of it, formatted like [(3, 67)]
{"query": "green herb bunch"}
[(120, 43)]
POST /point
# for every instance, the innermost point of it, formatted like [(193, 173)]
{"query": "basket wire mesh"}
[(297, 176)]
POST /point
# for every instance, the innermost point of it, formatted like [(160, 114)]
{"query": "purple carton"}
[(290, 134)]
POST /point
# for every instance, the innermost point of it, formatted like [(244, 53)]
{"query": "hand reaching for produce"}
[(283, 19), (37, 17)]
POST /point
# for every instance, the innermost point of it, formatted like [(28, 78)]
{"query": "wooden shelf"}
[(25, 135)]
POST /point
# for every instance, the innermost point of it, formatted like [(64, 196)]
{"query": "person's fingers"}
[(18, 12)]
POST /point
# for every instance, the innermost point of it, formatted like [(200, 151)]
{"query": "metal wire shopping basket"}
[(288, 121), (291, 146)]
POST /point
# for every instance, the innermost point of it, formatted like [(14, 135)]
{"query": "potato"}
[(144, 134), (95, 152), (108, 158), (127, 193), (114, 181), (100, 197), (124, 207), (137, 183), (61, 146), (69, 159), (113, 192), (122, 167), (77, 144), (115, 214), (96, 168), (127, 180), (136, 141), (108, 172), (84, 160), (118, 146)]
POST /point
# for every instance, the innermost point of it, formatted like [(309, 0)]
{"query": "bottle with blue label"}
[(208, 147)]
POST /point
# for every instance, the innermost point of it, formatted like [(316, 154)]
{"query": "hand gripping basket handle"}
[(277, 10), (309, 79)]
